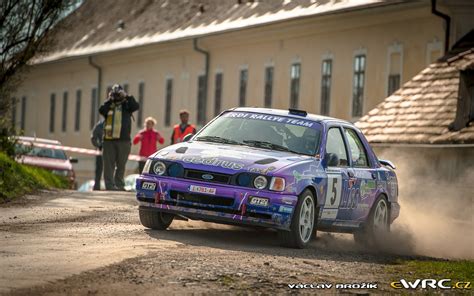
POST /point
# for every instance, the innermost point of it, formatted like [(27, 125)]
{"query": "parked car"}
[(286, 170), (43, 153)]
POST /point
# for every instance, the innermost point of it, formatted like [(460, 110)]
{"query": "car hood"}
[(229, 159), (46, 163)]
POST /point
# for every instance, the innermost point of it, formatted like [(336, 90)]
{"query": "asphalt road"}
[(73, 243)]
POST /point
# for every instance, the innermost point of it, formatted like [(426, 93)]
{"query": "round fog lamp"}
[(244, 180), (260, 182), (159, 168)]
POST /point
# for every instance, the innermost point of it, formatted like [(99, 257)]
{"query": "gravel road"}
[(66, 242)]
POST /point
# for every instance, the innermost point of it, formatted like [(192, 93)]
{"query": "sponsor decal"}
[(366, 187), (284, 209), (267, 117), (259, 201), (148, 186), (214, 161), (202, 189), (262, 171)]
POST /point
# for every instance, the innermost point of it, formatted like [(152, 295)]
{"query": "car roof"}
[(281, 112), (38, 140)]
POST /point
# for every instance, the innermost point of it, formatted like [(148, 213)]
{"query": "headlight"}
[(176, 170), (146, 168), (277, 184), (260, 182), (159, 168)]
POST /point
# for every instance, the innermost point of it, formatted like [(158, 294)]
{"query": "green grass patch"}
[(462, 270), (17, 179)]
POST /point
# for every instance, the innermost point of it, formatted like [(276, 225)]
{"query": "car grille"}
[(216, 177), (202, 199)]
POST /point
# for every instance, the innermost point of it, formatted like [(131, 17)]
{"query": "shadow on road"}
[(337, 247)]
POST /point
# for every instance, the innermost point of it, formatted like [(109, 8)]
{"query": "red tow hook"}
[(243, 210), (157, 197)]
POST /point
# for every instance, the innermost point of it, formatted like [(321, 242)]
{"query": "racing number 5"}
[(334, 191)]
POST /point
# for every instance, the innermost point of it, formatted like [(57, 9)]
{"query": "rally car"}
[(286, 170)]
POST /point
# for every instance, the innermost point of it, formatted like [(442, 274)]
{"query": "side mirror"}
[(332, 159), (188, 137), (73, 160), (387, 163)]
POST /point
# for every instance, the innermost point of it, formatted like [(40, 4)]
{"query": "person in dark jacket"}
[(117, 111), (97, 139)]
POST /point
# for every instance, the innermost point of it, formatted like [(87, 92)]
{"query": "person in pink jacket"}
[(148, 138)]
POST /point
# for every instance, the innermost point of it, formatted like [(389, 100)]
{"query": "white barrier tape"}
[(79, 150)]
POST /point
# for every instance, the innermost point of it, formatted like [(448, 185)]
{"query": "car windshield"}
[(267, 131), (41, 152)]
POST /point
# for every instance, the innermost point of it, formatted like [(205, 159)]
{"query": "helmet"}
[(116, 89)]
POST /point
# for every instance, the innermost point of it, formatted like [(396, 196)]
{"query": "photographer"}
[(117, 111)]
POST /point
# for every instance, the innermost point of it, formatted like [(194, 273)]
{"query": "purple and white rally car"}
[(288, 170)]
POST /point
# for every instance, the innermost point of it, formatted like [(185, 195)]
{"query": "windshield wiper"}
[(217, 139), (268, 145)]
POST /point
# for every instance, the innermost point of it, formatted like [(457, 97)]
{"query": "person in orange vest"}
[(183, 129)]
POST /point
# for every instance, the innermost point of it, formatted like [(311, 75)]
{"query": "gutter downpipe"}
[(99, 82), (206, 73), (447, 20)]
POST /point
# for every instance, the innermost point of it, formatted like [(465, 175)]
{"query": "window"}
[(13, 112), (394, 68), (201, 98), (94, 107), (168, 101), (218, 94), (23, 113), (244, 73), (77, 118), (295, 85), (326, 73), (141, 99), (52, 111), (64, 121), (358, 154), (358, 86), (335, 146), (268, 95), (393, 83)]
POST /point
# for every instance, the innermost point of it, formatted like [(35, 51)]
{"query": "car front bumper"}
[(229, 204)]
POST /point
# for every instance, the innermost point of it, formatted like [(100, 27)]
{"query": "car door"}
[(337, 173), (362, 186)]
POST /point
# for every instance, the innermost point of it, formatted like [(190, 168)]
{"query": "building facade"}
[(337, 58)]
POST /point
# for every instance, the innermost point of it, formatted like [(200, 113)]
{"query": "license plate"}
[(202, 189), (259, 201), (148, 186)]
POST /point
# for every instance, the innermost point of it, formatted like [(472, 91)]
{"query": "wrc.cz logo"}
[(430, 283)]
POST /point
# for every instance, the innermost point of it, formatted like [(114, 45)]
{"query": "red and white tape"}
[(79, 150)]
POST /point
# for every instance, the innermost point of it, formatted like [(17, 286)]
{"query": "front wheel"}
[(377, 227), (154, 219), (303, 223)]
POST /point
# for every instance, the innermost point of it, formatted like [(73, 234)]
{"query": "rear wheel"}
[(303, 224), (377, 227), (154, 219)]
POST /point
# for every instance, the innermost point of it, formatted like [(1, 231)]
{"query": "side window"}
[(359, 156), (335, 145)]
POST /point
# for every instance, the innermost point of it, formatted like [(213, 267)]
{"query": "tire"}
[(303, 223), (154, 219), (375, 231)]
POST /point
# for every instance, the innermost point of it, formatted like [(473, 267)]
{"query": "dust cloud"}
[(436, 215)]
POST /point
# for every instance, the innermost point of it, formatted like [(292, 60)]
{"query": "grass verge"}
[(17, 179)]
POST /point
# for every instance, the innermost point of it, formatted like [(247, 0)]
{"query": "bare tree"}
[(25, 32)]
